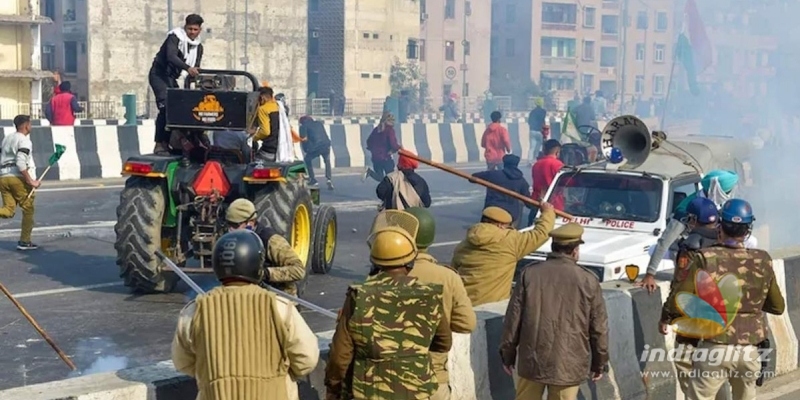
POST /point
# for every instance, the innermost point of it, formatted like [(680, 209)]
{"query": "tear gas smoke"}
[(100, 354)]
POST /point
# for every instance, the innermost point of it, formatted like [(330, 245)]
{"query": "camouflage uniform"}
[(284, 267), (384, 335), (746, 327)]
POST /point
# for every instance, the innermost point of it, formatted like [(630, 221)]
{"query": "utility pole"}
[(465, 47), (245, 58), (169, 15), (624, 53)]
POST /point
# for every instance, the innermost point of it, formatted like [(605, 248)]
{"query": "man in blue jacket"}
[(318, 144), (511, 178)]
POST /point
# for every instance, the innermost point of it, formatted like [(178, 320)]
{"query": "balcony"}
[(559, 61), (608, 70), (559, 26), (12, 19), (610, 36)]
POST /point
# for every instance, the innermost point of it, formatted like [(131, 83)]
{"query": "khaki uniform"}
[(384, 335), (15, 157), (283, 264), (553, 350), (487, 258), (457, 309), (745, 328), (251, 358)]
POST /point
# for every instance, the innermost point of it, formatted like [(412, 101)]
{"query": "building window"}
[(661, 21), (449, 51), (556, 13), (659, 53), (641, 20), (587, 84), (366, 35), (511, 13), (510, 52), (374, 35), (411, 49), (608, 56), (559, 83), (49, 57), (450, 9), (363, 75), (609, 24), (658, 85), (589, 17), (49, 9), (313, 5), (422, 50), (558, 47), (313, 44), (423, 7), (71, 57), (69, 11), (376, 76), (588, 50), (639, 86), (639, 51)]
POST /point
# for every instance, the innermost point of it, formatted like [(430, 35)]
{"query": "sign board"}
[(450, 73)]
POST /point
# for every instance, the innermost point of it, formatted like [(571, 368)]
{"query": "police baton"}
[(196, 288)]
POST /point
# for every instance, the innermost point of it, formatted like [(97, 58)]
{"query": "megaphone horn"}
[(630, 136)]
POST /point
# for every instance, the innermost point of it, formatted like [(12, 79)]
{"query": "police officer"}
[(270, 352), (457, 306), (284, 268), (371, 355), (702, 218), (745, 330)]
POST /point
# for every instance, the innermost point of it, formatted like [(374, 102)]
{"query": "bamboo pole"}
[(479, 181), (39, 329)]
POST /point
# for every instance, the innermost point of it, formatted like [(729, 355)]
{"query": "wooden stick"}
[(38, 328), (479, 181), (40, 178)]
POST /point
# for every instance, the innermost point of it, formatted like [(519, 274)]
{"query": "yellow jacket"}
[(269, 119), (487, 258), (457, 306), (302, 348)]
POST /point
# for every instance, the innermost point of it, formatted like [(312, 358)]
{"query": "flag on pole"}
[(60, 149), (569, 134), (694, 47)]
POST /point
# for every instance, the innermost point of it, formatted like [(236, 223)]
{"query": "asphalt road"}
[(71, 284)]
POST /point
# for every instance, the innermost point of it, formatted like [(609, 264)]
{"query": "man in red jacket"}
[(63, 106), (496, 143), (543, 173)]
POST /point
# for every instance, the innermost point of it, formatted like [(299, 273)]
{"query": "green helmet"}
[(427, 226)]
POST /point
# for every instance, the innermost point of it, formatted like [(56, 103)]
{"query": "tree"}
[(518, 89), (406, 76)]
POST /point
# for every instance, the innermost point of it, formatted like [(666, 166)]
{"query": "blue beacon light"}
[(616, 156)]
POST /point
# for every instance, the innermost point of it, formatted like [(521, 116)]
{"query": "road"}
[(71, 284)]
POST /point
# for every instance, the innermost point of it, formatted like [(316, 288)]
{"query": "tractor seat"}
[(225, 156)]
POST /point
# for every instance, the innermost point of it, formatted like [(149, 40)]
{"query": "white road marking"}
[(65, 290), (101, 186)]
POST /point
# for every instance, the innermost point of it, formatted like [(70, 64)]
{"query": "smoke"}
[(100, 354), (751, 92)]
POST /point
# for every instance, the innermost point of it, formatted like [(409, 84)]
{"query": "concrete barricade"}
[(476, 372)]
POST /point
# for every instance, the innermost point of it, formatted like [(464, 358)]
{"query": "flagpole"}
[(669, 88)]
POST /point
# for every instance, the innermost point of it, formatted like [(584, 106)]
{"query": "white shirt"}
[(15, 155)]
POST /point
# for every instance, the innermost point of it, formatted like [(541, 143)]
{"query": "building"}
[(352, 45), (583, 46), (20, 65), (454, 45), (107, 47)]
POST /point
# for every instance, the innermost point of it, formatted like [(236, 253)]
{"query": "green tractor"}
[(176, 202)]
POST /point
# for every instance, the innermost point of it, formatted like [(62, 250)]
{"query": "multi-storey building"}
[(454, 47), (20, 63), (582, 46), (353, 45), (107, 47)]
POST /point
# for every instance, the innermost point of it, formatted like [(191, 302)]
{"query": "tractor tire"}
[(325, 233), (287, 209), (138, 236)]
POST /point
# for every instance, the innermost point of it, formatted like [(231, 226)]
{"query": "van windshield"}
[(608, 196)]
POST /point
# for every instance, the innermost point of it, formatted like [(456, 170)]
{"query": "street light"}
[(465, 48)]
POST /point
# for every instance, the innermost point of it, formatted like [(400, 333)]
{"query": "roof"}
[(13, 19), (671, 159)]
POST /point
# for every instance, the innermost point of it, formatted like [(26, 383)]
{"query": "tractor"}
[(176, 202)]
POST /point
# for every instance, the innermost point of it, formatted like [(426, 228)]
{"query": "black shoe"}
[(313, 182), (26, 246)]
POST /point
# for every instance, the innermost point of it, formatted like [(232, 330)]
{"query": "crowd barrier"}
[(98, 151), (475, 369)]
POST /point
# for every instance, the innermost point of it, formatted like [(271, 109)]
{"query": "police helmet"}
[(392, 247), (427, 226), (703, 210), (239, 255), (737, 211)]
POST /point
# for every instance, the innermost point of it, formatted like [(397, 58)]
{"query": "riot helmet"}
[(702, 211), (427, 226), (736, 217), (392, 247), (239, 255)]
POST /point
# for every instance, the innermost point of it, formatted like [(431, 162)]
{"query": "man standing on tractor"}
[(179, 55), (16, 181), (269, 125), (269, 354), (283, 267), (316, 144)]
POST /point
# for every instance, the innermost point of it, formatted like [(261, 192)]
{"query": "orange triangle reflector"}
[(211, 177)]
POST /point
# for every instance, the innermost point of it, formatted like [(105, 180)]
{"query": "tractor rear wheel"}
[(138, 236), (324, 239), (287, 209)]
